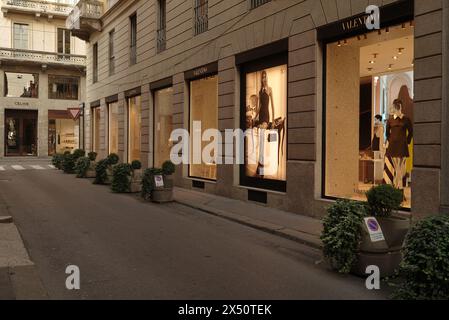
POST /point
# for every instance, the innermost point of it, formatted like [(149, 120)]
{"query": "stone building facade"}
[(42, 71), (332, 77)]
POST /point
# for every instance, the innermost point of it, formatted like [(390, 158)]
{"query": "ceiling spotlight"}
[(370, 69), (412, 24), (339, 44), (375, 55), (403, 26), (400, 51), (395, 58), (345, 42), (372, 62), (387, 30), (390, 66)]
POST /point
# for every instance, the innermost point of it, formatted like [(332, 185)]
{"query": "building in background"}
[(309, 72), (42, 75)]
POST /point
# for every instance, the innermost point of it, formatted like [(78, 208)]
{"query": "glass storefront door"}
[(20, 133)]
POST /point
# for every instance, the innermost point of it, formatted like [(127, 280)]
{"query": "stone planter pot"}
[(162, 195), (91, 173), (169, 182), (384, 254), (136, 182), (110, 176)]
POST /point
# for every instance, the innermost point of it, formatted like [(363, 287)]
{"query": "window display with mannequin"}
[(369, 113)]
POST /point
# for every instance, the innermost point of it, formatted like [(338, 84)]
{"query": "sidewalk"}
[(295, 227), (19, 279)]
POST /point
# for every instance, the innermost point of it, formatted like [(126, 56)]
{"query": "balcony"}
[(36, 7), (85, 18), (21, 57)]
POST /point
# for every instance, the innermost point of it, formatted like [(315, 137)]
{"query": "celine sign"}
[(202, 71)]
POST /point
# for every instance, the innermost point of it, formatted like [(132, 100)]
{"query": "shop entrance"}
[(21, 132)]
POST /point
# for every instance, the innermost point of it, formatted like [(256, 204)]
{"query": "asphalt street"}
[(126, 248)]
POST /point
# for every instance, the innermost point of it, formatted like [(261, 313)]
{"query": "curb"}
[(287, 233)]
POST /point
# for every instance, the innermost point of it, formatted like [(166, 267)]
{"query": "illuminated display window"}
[(113, 116), (369, 113), (134, 128), (203, 110), (163, 125), (96, 123), (264, 120)]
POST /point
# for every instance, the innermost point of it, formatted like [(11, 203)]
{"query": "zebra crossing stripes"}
[(24, 167)]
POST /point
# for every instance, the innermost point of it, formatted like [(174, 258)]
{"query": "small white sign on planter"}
[(159, 181), (374, 229)]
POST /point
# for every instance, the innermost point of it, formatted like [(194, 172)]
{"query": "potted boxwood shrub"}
[(57, 160), (150, 191), (103, 169), (91, 170), (424, 271), (126, 178), (136, 177), (81, 167), (342, 234), (383, 202), (69, 160)]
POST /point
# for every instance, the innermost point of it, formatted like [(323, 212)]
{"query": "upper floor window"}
[(133, 39), (111, 53), (257, 3), (201, 16), (63, 87), (161, 26), (95, 63), (21, 85), (21, 36), (64, 37)]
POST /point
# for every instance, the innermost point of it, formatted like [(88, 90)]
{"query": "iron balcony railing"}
[(42, 57), (37, 6), (257, 3), (85, 9), (201, 16)]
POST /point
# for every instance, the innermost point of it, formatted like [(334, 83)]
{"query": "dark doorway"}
[(21, 133)]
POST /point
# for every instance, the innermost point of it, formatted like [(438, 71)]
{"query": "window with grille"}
[(111, 53), (258, 3), (133, 37), (95, 63), (201, 16), (162, 26)]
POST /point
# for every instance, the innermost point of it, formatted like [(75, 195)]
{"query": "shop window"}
[(21, 85), (113, 116), (63, 87), (204, 111), (63, 132), (134, 128), (96, 123), (369, 113), (264, 120), (163, 122)]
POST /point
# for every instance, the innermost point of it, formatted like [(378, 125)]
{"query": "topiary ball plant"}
[(342, 234), (136, 165), (113, 159), (82, 166), (57, 161), (168, 168), (121, 178), (101, 174), (92, 156), (383, 200), (79, 153), (68, 163), (424, 271)]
